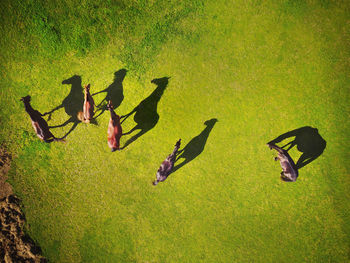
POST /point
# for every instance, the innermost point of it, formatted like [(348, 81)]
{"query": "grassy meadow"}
[(261, 68)]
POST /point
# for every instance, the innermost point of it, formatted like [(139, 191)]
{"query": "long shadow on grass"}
[(195, 147), (72, 104), (307, 140), (146, 116), (114, 92)]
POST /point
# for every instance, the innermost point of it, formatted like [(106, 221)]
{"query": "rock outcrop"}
[(15, 245)]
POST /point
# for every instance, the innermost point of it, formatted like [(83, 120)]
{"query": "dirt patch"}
[(15, 245)]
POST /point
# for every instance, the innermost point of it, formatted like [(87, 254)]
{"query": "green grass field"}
[(261, 68)]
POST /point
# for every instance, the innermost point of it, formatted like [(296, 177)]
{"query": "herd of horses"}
[(289, 168), (43, 131), (114, 131)]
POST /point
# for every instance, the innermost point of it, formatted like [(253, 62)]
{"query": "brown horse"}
[(114, 129), (88, 107)]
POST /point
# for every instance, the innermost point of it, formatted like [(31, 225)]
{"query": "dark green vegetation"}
[(261, 68)]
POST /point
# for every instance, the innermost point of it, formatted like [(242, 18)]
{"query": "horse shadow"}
[(72, 104), (307, 140), (114, 92), (195, 147), (146, 116)]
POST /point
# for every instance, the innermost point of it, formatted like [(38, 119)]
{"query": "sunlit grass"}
[(261, 69)]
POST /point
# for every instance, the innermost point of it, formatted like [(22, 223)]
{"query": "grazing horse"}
[(88, 108), (167, 166), (289, 170), (39, 124), (114, 129)]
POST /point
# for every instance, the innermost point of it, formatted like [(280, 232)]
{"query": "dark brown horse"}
[(289, 170), (167, 165), (39, 124)]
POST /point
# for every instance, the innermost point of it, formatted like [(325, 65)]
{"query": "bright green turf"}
[(261, 68)]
